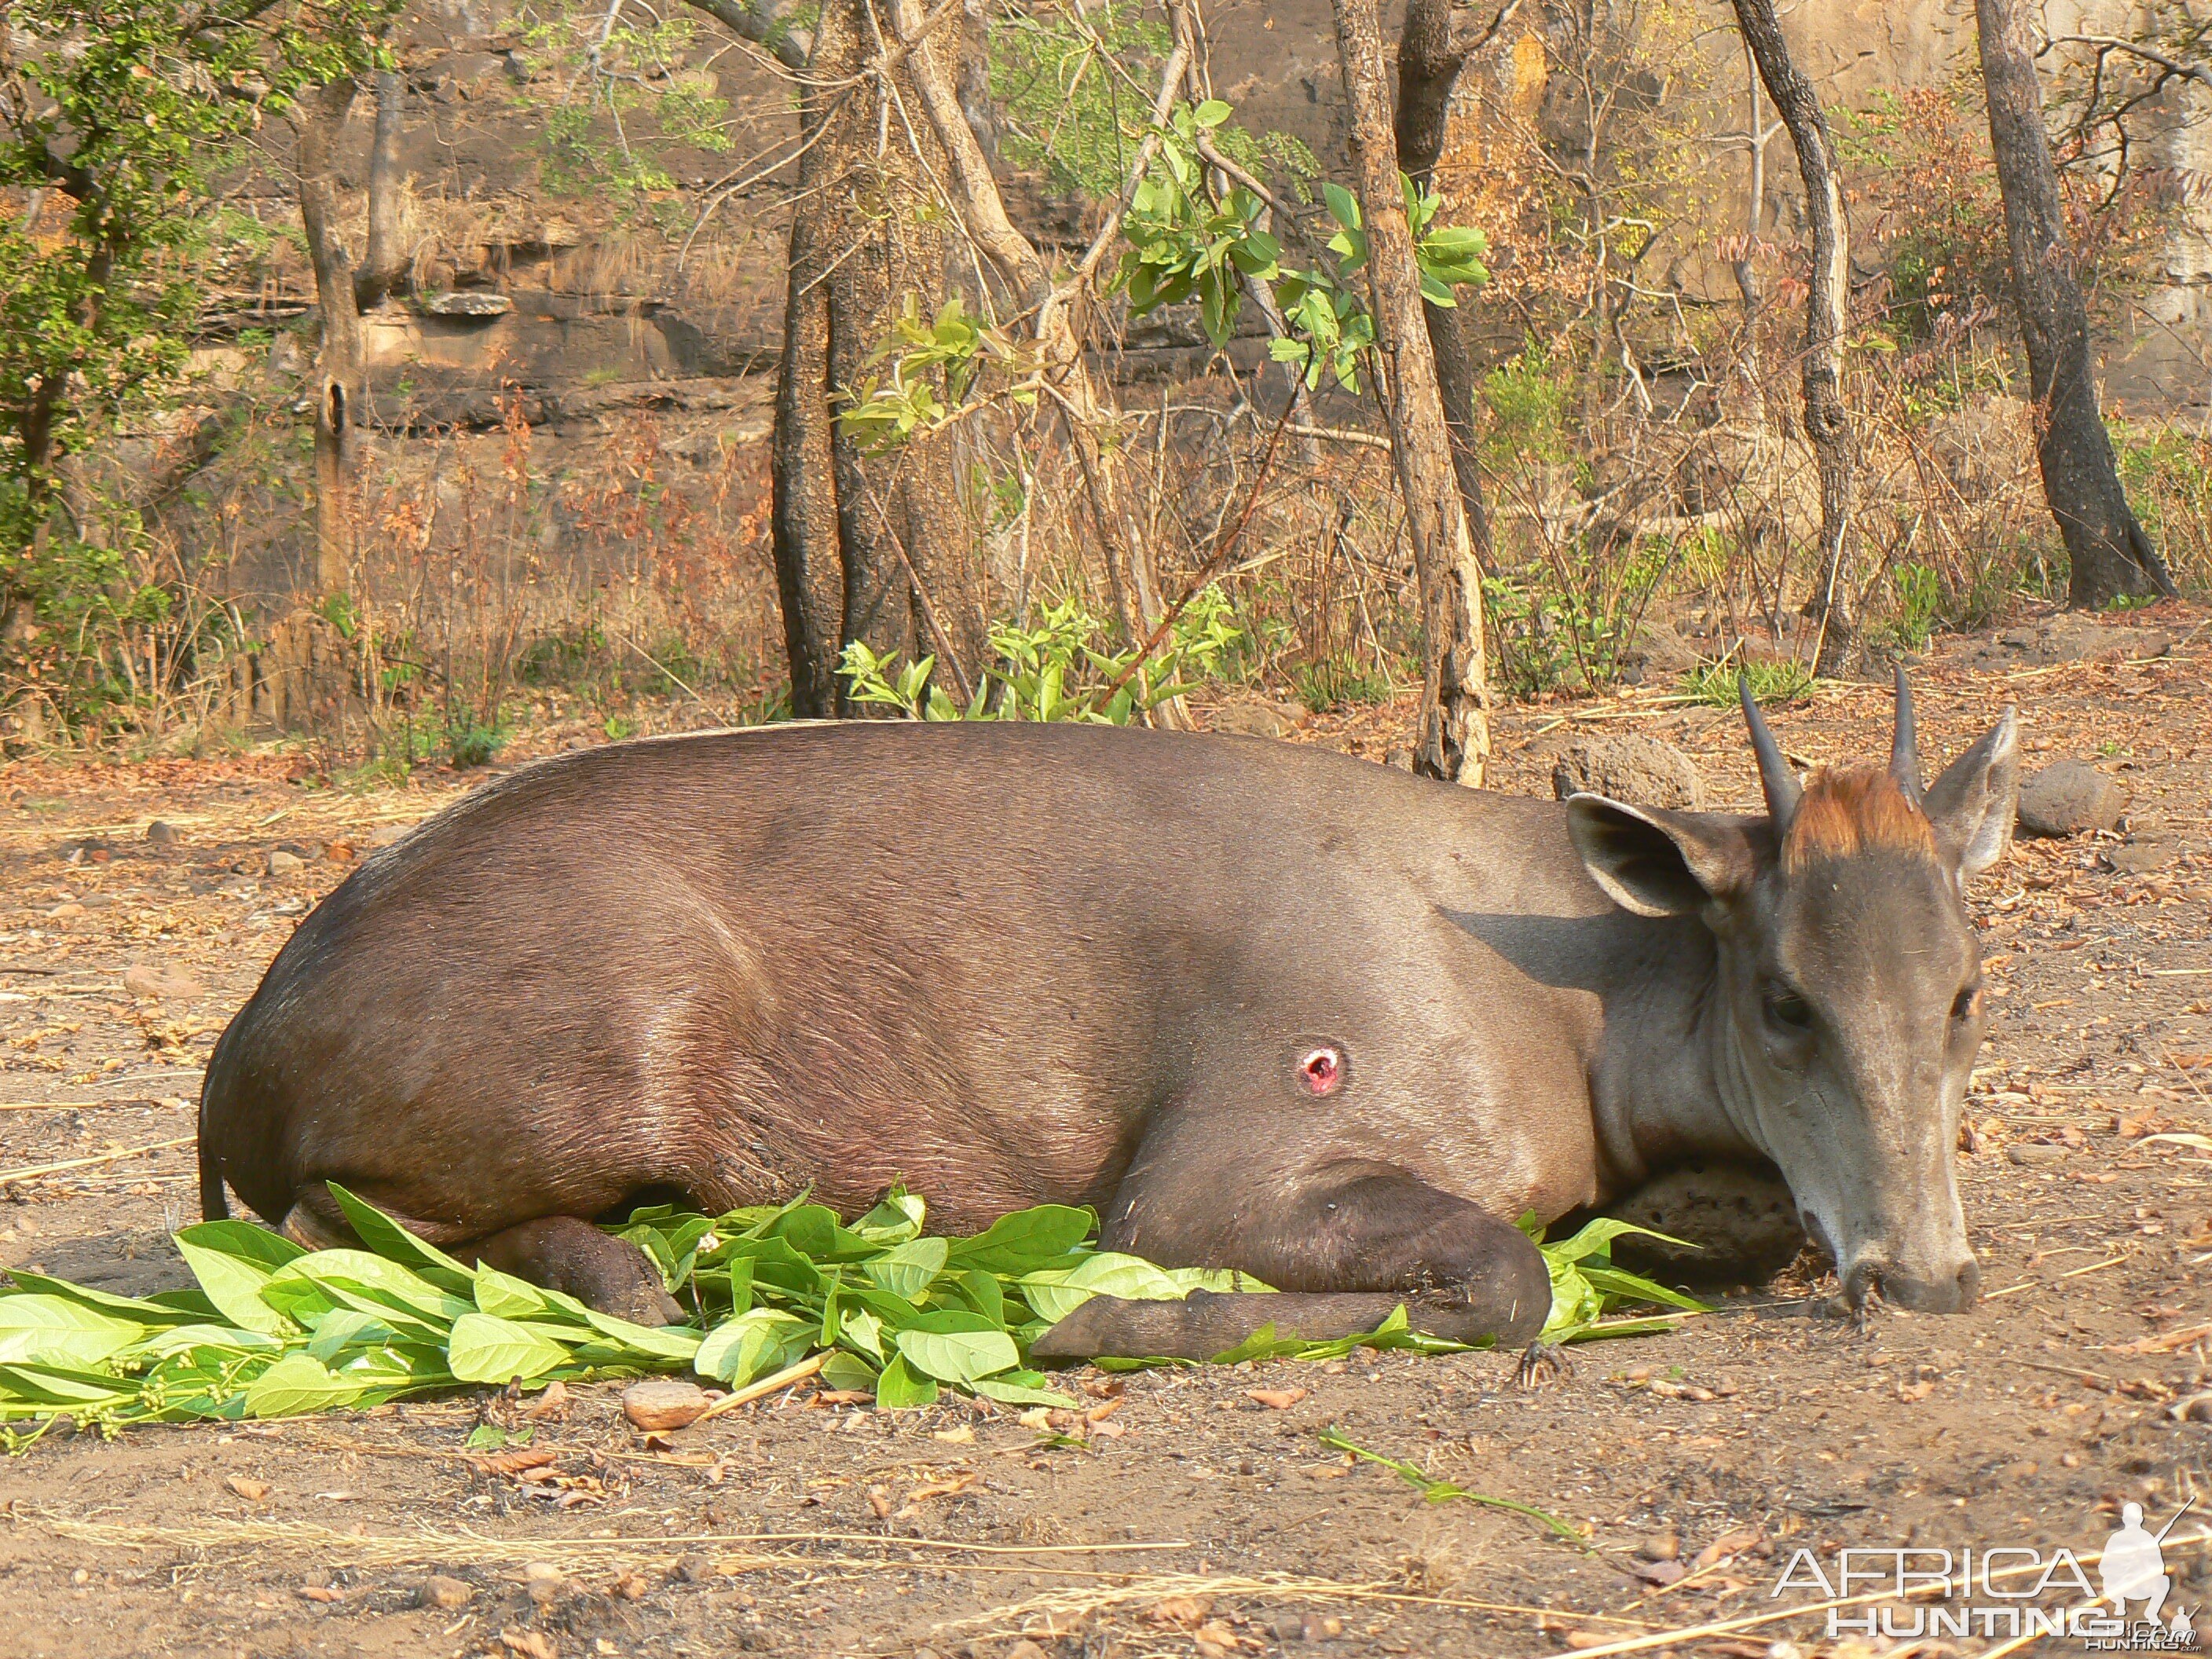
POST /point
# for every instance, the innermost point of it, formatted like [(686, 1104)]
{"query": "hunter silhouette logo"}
[(2004, 1590), (2134, 1570)]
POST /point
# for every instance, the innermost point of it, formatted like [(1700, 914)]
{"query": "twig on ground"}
[(9, 1177)]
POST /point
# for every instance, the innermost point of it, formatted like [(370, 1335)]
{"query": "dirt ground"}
[(1191, 1517)]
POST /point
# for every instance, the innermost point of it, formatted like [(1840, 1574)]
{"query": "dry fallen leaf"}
[(1181, 1612), (1277, 1400), (529, 1645), (959, 1483), (515, 1462), (1728, 1545), (962, 1435), (320, 1593), (247, 1487), (553, 1402)]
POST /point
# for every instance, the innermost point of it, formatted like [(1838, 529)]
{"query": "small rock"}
[(1275, 1400), (282, 863), (1026, 1648), (543, 1581), (143, 980), (1661, 1546), (1250, 719), (662, 1402), (162, 833), (2071, 797), (694, 1569), (1398, 760), (386, 835), (67, 911), (440, 1591), (2140, 858), (1288, 1627), (1632, 768), (2024, 1154)]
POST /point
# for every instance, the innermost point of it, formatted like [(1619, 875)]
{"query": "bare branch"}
[(2107, 43)]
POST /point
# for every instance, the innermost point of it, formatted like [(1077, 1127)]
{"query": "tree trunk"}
[(2109, 553), (338, 368), (383, 266), (867, 548), (1827, 423), (1455, 732), (1060, 326), (1429, 65)]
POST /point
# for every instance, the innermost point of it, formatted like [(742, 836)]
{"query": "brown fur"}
[(1853, 810)]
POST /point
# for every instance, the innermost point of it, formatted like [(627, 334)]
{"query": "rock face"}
[(467, 302), (1639, 770), (2069, 639), (2071, 797)]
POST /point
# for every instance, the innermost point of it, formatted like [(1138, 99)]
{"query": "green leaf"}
[(909, 1270), (137, 1309), (1027, 1240), (1211, 113), (944, 1349), (895, 1220), (1023, 1389), (243, 1240), (234, 1283), (900, 1387), (347, 1327), (307, 1288), (678, 1342), (483, 1349), (1056, 1294), (864, 1332), (1343, 205), (753, 1344), (53, 1330), (296, 1384), (388, 1238), (982, 1292), (847, 1371)]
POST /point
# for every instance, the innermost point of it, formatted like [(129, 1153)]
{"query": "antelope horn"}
[(1905, 746), (1780, 783)]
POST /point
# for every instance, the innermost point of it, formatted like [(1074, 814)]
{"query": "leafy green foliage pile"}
[(1062, 669), (276, 1331)]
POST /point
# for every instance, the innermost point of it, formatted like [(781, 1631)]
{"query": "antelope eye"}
[(1967, 1003), (1788, 1011)]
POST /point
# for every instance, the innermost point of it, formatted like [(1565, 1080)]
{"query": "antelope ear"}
[(1973, 803), (1658, 863)]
